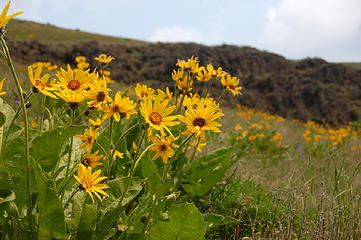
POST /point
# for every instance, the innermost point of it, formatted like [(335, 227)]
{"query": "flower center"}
[(231, 87), (163, 148), (200, 122), (86, 162), (88, 184), (116, 108), (143, 94), (90, 139), (155, 118), (74, 85), (39, 84), (101, 96)]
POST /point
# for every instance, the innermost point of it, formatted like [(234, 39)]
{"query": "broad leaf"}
[(46, 148), (185, 222), (87, 221), (51, 214), (201, 175), (215, 220)]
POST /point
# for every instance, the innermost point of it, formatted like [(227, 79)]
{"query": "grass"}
[(28, 31)]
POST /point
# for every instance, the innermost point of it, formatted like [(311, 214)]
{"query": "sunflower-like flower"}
[(98, 93), (116, 154), (121, 107), (163, 146), (143, 92), (96, 123), (156, 114), (74, 80), (71, 97), (40, 83), (91, 160), (183, 80), (200, 120), (231, 84), (5, 19), (90, 181), (191, 65), (88, 138), (165, 94), (191, 100), (1, 87), (102, 58)]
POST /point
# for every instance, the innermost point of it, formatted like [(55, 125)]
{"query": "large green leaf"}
[(7, 112), (86, 225), (117, 188), (12, 172), (46, 147), (198, 178), (185, 223), (51, 214), (215, 220)]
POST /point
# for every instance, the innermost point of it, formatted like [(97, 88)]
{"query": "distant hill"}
[(309, 89)]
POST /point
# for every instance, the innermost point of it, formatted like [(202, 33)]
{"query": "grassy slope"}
[(47, 33)]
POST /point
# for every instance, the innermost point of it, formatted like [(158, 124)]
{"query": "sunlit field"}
[(83, 156)]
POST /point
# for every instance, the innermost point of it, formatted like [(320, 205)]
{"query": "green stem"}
[(11, 125), (220, 97), (26, 127), (71, 197), (194, 151), (69, 154), (110, 136), (42, 109), (117, 143), (164, 176)]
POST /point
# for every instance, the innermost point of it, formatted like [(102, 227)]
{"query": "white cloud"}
[(175, 34), (326, 28)]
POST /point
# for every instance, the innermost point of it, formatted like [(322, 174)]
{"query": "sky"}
[(296, 29)]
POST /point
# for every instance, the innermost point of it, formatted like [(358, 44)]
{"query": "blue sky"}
[(330, 29)]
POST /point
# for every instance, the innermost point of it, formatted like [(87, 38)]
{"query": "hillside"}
[(309, 89)]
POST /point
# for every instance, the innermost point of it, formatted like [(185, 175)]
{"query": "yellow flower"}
[(80, 59), (90, 181), (34, 124), (143, 92), (199, 146), (117, 154), (165, 95), (74, 80), (183, 80), (202, 119), (163, 147), (191, 65), (71, 97), (88, 138), (102, 58), (97, 123), (91, 160), (121, 107), (190, 101), (5, 19), (1, 87), (40, 83), (156, 114), (98, 93), (206, 74), (231, 84)]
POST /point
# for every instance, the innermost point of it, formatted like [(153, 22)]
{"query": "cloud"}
[(326, 28), (175, 34)]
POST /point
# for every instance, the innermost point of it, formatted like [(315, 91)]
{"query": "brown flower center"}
[(101, 96), (155, 118), (163, 148), (116, 108), (86, 162), (143, 94), (39, 84), (200, 122), (74, 85), (231, 87), (90, 139)]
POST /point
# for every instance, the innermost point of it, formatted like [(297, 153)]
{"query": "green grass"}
[(47, 33)]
